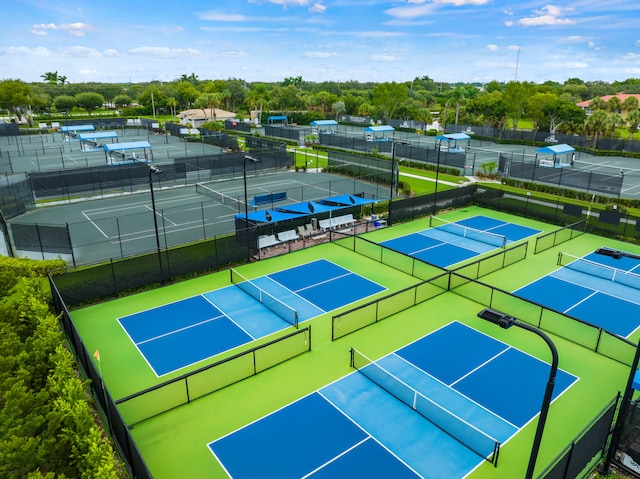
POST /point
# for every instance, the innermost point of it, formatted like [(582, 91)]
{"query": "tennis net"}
[(220, 197), (599, 270), (468, 232), (465, 433), (283, 310)]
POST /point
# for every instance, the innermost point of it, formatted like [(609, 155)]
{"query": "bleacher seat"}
[(289, 235), (265, 241)]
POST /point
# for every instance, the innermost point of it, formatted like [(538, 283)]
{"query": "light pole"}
[(506, 322), (394, 177), (435, 193), (250, 159), (155, 170)]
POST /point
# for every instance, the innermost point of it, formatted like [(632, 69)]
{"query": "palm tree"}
[(597, 104), (596, 124), (614, 105), (630, 104), (457, 96), (633, 120), (256, 97), (211, 101), (612, 122), (50, 77)]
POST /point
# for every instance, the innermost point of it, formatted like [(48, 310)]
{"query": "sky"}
[(321, 40)]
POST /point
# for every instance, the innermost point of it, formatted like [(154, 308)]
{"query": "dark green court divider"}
[(554, 322), (559, 236), (394, 259), (117, 277), (182, 390), (495, 262), (379, 309)]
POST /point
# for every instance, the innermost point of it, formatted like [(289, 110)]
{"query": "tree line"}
[(548, 106)]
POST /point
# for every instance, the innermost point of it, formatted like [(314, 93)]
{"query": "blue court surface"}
[(606, 296), (448, 244), (182, 333), (477, 388)]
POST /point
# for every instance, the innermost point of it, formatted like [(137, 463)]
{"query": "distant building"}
[(621, 96), (197, 116)]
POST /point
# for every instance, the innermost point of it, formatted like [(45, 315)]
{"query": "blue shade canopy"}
[(310, 207), (132, 145), (324, 123), (379, 128), (270, 216), (77, 128), (347, 200), (556, 149), (97, 135), (453, 137)]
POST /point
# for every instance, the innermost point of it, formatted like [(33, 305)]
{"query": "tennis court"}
[(447, 243), (181, 333), (475, 391), (600, 288)]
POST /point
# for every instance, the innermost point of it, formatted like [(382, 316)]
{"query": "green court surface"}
[(174, 443)]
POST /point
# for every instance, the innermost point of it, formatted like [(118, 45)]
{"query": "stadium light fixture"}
[(505, 322), (154, 170), (394, 176), (249, 159), (435, 193)]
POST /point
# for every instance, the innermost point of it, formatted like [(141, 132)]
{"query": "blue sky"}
[(338, 40)]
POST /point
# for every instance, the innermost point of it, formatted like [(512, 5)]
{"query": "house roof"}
[(621, 96), (206, 114)]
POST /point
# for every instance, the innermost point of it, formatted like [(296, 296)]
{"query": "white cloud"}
[(111, 52), (547, 15), (319, 54), (45, 26), (290, 3), (461, 3), (493, 48), (222, 17), (580, 65), (164, 52), (317, 8), (411, 12), (80, 51), (77, 29), (513, 48), (88, 71), (239, 54), (572, 39), (376, 34), (25, 51)]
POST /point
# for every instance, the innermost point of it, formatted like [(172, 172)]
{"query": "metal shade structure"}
[(560, 149)]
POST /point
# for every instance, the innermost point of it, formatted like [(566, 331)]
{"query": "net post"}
[(352, 362), (496, 454)]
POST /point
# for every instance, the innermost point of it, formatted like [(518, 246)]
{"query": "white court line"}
[(95, 225), (160, 215)]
